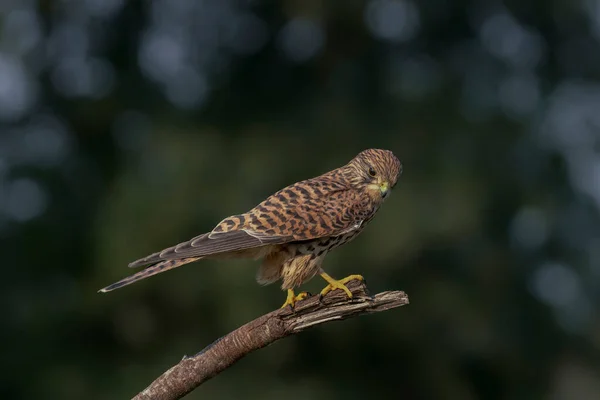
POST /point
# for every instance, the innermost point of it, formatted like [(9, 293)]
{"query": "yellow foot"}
[(338, 284), (292, 299)]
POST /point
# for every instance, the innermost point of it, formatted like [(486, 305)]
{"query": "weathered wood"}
[(192, 371)]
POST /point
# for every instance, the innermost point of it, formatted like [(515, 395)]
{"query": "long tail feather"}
[(152, 270)]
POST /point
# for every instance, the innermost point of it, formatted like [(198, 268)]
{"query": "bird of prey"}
[(292, 230)]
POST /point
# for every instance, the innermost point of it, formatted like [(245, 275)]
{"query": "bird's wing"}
[(211, 244), (304, 211)]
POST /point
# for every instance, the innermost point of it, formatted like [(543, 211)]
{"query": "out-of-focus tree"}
[(127, 127)]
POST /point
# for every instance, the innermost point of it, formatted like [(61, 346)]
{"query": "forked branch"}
[(192, 371)]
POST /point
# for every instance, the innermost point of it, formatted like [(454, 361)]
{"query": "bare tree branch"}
[(192, 371)]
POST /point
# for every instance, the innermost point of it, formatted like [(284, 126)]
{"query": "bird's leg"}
[(338, 284), (292, 298)]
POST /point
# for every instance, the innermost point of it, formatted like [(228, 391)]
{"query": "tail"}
[(152, 270)]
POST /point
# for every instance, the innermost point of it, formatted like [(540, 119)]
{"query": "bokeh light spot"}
[(529, 228), (393, 20), (519, 95), (556, 284), (301, 39), (25, 200), (21, 30), (17, 91)]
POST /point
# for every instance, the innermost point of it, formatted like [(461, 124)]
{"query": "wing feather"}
[(321, 209), (303, 211), (205, 245)]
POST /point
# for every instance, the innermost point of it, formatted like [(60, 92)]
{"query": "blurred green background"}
[(129, 126)]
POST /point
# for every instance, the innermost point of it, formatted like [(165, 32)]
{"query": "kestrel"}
[(292, 230)]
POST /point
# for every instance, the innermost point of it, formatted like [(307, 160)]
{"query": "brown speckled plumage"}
[(293, 229)]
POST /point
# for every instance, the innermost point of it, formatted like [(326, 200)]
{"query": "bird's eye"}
[(372, 171)]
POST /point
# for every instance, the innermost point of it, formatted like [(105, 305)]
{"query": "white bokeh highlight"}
[(392, 20)]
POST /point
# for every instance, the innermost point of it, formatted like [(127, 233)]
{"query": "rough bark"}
[(192, 371)]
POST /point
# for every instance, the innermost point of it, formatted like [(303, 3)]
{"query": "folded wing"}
[(306, 210), (211, 244)]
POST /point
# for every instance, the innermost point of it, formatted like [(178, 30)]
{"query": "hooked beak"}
[(384, 187)]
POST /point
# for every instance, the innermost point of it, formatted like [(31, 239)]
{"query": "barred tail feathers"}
[(148, 272)]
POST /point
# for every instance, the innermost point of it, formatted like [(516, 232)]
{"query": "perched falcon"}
[(293, 230)]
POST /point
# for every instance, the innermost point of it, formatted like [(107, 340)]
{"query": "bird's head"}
[(376, 171)]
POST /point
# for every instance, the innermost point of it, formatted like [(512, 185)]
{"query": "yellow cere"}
[(384, 187)]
